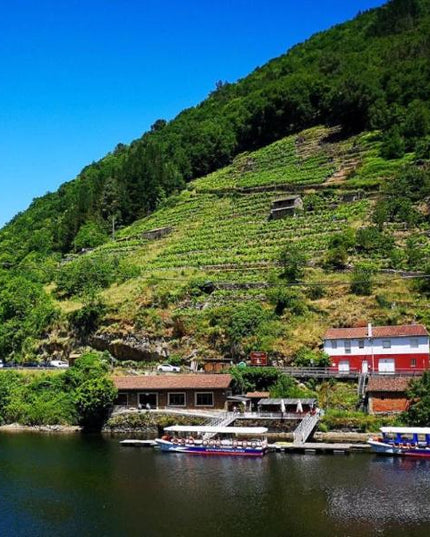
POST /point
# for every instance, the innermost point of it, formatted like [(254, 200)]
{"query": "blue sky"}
[(79, 76)]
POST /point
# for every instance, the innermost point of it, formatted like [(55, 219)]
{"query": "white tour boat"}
[(207, 440), (408, 441)]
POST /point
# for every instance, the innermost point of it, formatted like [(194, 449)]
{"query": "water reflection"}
[(67, 486)]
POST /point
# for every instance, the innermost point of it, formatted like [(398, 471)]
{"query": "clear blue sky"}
[(79, 76)]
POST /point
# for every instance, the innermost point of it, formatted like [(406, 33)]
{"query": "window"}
[(386, 343), (361, 343), (414, 342), (204, 399), (333, 344), (176, 399), (122, 399), (347, 345), (413, 362)]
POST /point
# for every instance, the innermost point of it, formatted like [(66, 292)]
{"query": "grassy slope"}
[(221, 234)]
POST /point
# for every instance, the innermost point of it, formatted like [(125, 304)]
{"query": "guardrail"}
[(326, 372)]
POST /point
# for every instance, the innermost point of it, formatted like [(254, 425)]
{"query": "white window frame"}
[(204, 393), (334, 343), (413, 362), (177, 393), (386, 343), (347, 345)]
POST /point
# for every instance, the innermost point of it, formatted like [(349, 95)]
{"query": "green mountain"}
[(220, 276)]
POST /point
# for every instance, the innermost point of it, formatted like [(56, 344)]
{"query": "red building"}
[(379, 349)]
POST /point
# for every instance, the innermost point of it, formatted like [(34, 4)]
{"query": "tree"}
[(293, 262), (94, 398), (418, 412), (393, 145), (362, 279)]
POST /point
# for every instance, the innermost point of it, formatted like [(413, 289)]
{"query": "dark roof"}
[(377, 331), (388, 384), (173, 382)]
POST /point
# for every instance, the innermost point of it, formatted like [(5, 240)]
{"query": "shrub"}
[(293, 262), (393, 145), (286, 298), (362, 279)]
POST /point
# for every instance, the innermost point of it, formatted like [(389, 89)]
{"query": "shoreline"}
[(18, 428), (327, 437)]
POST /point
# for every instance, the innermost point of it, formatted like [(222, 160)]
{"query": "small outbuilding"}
[(387, 395), (287, 206), (192, 391)]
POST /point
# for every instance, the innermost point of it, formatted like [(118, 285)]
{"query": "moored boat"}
[(209, 440), (407, 441)]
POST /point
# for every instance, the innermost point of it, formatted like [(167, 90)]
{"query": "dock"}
[(319, 448)]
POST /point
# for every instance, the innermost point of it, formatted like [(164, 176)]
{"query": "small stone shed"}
[(387, 394), (287, 206)]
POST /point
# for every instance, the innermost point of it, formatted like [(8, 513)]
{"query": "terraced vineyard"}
[(216, 224), (219, 232)]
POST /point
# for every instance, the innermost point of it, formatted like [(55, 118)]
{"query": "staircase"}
[(305, 428), (226, 419), (362, 382)]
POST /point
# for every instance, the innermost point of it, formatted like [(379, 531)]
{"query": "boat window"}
[(413, 362), (176, 399), (333, 344), (414, 342), (347, 345), (204, 399), (361, 343), (386, 343)]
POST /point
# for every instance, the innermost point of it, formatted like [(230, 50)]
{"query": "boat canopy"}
[(405, 430), (216, 430)]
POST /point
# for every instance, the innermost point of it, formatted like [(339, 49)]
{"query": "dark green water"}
[(91, 486)]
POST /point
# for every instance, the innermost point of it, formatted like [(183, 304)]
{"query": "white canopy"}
[(216, 430), (406, 430)]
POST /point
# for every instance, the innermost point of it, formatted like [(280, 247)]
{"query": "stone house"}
[(191, 391)]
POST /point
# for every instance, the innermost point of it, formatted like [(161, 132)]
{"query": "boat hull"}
[(192, 449), (385, 448)]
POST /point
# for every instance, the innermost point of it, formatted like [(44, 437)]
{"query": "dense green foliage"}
[(25, 313), (81, 395), (418, 412), (372, 72)]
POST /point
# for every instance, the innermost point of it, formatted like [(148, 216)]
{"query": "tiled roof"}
[(388, 384), (377, 331), (173, 382), (260, 395)]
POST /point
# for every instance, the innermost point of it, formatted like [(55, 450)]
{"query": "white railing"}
[(305, 428)]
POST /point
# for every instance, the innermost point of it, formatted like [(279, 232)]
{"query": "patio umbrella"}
[(283, 406), (299, 409)]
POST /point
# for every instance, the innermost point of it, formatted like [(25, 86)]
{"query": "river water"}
[(52, 485)]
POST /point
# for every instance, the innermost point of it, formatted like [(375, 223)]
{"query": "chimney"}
[(369, 330)]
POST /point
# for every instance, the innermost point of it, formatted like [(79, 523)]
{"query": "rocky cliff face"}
[(131, 346)]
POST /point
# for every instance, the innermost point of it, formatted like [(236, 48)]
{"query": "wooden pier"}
[(319, 448)]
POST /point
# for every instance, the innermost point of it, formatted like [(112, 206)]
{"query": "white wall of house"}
[(385, 346)]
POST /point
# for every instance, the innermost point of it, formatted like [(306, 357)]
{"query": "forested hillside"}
[(343, 121), (370, 73)]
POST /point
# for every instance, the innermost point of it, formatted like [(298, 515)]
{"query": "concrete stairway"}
[(305, 428), (224, 420)]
